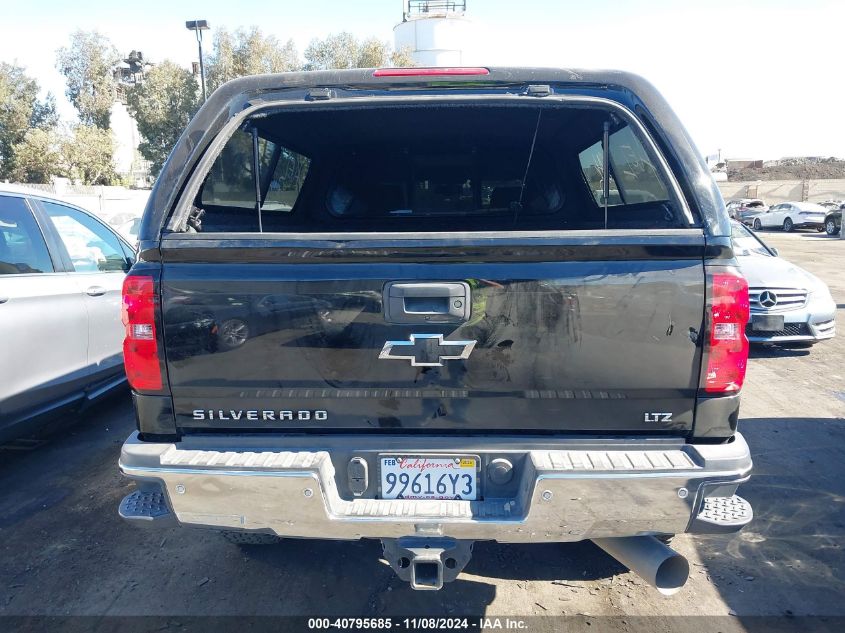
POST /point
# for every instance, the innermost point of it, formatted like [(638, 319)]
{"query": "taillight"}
[(428, 72), (727, 351), (140, 349)]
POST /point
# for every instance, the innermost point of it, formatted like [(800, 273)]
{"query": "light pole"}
[(198, 26)]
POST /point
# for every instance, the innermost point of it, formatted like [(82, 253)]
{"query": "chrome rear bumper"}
[(565, 490)]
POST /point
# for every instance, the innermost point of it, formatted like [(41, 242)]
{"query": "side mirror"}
[(774, 251)]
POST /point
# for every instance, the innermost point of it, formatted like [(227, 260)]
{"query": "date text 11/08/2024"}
[(412, 624)]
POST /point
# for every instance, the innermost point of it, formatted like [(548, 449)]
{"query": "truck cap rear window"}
[(434, 168)]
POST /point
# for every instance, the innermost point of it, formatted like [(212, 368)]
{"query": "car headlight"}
[(821, 292)]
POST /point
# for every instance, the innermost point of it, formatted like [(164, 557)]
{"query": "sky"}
[(752, 78)]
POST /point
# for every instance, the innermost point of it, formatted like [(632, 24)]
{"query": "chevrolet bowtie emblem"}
[(426, 350)]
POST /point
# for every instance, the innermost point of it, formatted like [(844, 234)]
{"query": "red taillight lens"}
[(428, 72), (727, 352), (140, 349)]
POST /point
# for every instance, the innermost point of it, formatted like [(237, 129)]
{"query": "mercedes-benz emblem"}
[(768, 299)]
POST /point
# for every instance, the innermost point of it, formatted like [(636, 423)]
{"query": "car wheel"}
[(787, 225), (757, 226), (250, 538), (830, 227), (232, 333)]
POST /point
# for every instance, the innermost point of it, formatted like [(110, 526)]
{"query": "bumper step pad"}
[(722, 514), (146, 506)]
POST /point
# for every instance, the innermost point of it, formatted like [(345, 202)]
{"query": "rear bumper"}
[(561, 490)]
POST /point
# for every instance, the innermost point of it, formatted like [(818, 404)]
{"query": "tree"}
[(162, 105), (44, 114), (247, 52), (402, 58), (20, 110), (344, 50), (37, 157), (87, 155), (88, 66)]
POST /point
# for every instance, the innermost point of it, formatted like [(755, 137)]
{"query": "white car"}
[(788, 304), (130, 229), (61, 274), (791, 215)]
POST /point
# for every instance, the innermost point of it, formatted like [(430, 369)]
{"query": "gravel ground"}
[(63, 549)]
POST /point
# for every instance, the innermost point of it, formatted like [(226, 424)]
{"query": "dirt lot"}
[(63, 549), (831, 168)]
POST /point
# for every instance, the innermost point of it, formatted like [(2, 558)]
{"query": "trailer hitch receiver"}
[(426, 562)]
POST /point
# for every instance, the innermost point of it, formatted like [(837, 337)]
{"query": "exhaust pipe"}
[(659, 565)]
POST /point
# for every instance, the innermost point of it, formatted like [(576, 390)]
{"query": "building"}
[(435, 31), (127, 159), (743, 163)]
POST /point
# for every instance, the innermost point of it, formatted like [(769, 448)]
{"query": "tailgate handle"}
[(427, 302)]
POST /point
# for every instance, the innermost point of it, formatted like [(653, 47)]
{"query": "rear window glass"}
[(633, 176), (22, 246), (446, 181), (231, 182), (433, 168), (90, 246)]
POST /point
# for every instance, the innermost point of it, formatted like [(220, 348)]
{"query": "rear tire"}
[(756, 225), (787, 225), (250, 538), (830, 227)]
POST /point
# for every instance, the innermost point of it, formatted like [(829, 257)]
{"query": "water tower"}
[(435, 31)]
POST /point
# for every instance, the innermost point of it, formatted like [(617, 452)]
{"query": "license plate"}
[(767, 322), (423, 477)]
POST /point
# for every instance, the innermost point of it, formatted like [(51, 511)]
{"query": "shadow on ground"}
[(777, 351), (791, 554), (360, 566), (821, 235)]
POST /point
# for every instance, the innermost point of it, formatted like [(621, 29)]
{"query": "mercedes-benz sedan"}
[(788, 304)]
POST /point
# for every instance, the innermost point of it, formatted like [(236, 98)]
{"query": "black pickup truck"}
[(433, 306)]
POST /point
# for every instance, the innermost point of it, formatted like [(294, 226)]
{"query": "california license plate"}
[(424, 477)]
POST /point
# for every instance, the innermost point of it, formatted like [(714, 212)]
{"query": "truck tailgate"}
[(582, 332)]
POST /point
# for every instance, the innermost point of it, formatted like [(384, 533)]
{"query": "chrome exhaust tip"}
[(658, 564)]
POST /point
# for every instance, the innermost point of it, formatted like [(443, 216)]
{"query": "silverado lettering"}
[(254, 415), (469, 268)]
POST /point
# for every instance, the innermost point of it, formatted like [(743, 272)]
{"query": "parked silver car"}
[(746, 209), (788, 304), (61, 272)]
